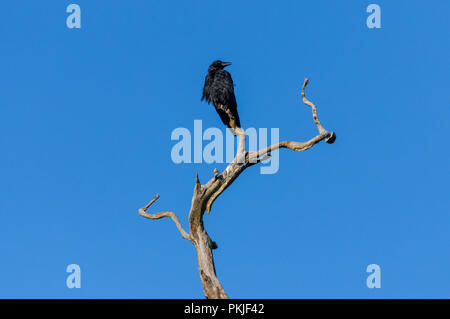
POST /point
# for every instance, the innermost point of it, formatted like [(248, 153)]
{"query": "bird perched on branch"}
[(219, 90)]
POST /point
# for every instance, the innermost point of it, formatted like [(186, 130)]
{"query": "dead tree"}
[(205, 195)]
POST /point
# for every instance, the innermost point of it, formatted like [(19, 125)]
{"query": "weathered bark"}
[(205, 195), (204, 245)]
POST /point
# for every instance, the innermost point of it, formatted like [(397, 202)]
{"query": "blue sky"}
[(85, 122)]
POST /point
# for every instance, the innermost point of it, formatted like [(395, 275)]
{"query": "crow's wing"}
[(222, 95), (207, 88)]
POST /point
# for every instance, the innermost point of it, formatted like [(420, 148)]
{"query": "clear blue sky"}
[(85, 123)]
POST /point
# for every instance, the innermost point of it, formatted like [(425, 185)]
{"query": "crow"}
[(219, 90)]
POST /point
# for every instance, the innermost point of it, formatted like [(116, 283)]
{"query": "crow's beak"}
[(224, 64)]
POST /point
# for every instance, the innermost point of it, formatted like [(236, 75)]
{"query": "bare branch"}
[(313, 107), (143, 212), (257, 156), (332, 136)]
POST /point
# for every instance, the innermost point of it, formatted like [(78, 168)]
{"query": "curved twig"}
[(143, 213)]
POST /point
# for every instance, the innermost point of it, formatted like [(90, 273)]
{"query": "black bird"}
[(219, 90)]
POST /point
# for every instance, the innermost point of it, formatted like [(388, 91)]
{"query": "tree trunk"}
[(203, 245)]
